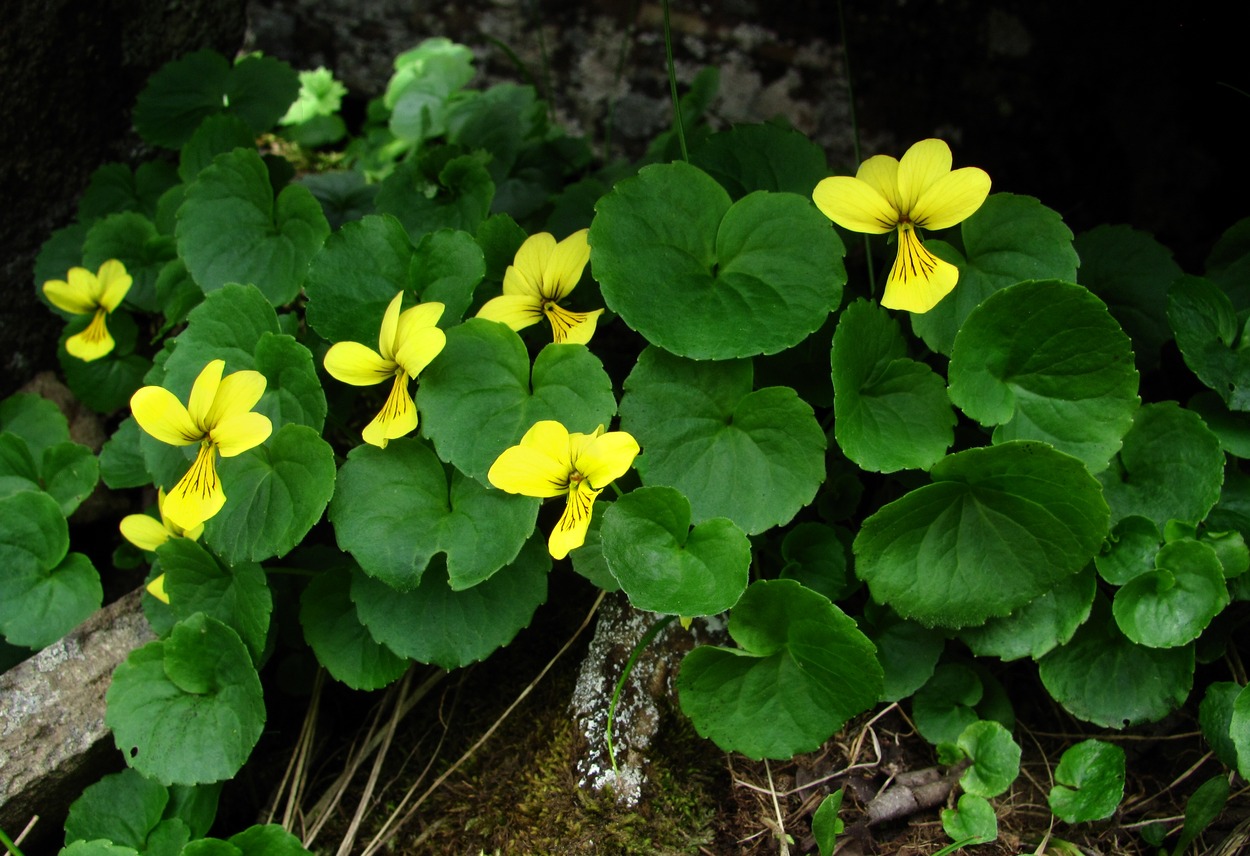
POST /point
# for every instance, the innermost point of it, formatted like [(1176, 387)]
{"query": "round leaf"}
[(190, 708), (708, 279), (995, 759), (232, 229), (701, 428), (945, 706), (665, 566), (1090, 782), (1046, 361), (972, 820), (1129, 550), (746, 158), (892, 412), (122, 807), (480, 396), (1040, 625), (385, 495), (1172, 605), (339, 639), (433, 624), (237, 595), (801, 670), (998, 527)]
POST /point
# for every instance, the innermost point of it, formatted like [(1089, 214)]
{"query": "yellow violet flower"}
[(219, 417), (85, 293), (147, 533), (406, 345), (549, 461), (542, 274), (918, 192)]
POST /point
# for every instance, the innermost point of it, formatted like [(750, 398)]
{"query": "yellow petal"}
[(240, 432), (918, 279), (156, 588), (551, 437), (525, 275), (397, 417), (518, 311), (572, 328), (538, 466), (174, 529), (352, 362), (419, 349), (854, 205), (420, 317), (236, 395), (921, 165), (93, 342), (204, 392), (68, 297), (390, 325), (606, 458), (880, 172), (146, 533), (114, 283), (159, 412), (85, 282), (570, 531), (579, 442), (565, 265), (952, 199), (198, 494)]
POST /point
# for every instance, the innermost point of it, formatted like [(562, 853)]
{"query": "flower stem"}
[(850, 97), (672, 84), (620, 683), (9, 845)]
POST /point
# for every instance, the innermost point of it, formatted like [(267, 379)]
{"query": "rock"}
[(53, 740)]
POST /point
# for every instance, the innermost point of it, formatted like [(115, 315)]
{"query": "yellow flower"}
[(95, 294), (219, 417), (542, 274), (147, 533), (918, 192), (407, 343), (549, 461)]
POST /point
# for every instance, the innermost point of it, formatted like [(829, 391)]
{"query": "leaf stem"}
[(672, 87), (9, 845), (620, 682)]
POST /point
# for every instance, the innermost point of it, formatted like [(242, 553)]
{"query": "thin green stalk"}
[(9, 845), (672, 83), (850, 97), (620, 683), (626, 40)]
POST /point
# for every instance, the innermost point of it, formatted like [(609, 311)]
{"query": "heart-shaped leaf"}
[(1172, 605), (339, 638), (1089, 782)]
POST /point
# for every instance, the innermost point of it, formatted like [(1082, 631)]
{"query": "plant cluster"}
[(672, 350)]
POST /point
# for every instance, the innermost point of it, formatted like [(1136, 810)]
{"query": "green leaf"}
[(665, 566), (106, 384), (114, 188), (892, 412), (267, 840), (1010, 238), (424, 78), (995, 759), (1046, 361), (1089, 782), (293, 393), (908, 653), (972, 820), (69, 472), (45, 591), (998, 527), (480, 395), (946, 705), (1129, 550), (1103, 677), (702, 428), (1201, 809), (183, 93), (133, 240), (190, 708), (122, 807), (1215, 716), (237, 595), (802, 668), (232, 229), (1207, 327), (1131, 272), (1172, 605), (433, 624), (355, 276), (770, 157), (1169, 468), (826, 827), (815, 556), (121, 461), (216, 135), (446, 267), (385, 495), (1040, 625), (275, 494), (343, 194), (1239, 730), (709, 279), (339, 638), (35, 419), (438, 190), (18, 470), (99, 847)]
